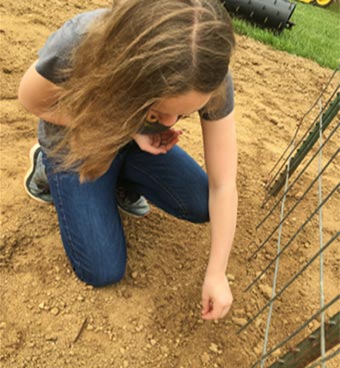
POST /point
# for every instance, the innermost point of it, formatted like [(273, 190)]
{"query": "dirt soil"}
[(48, 318)]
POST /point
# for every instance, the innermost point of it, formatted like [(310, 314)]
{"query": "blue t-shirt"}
[(55, 55)]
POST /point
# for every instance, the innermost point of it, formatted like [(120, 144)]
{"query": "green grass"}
[(316, 34)]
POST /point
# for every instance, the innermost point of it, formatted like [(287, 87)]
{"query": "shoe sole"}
[(30, 172), (121, 209)]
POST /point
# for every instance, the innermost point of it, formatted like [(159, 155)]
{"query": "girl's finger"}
[(156, 140), (171, 144), (155, 150)]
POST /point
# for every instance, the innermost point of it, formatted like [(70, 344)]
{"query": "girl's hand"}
[(216, 297), (158, 143)]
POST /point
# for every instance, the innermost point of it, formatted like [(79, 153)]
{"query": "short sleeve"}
[(225, 107), (55, 55)]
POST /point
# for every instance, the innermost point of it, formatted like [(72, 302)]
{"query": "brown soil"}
[(48, 318)]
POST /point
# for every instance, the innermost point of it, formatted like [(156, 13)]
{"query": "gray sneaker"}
[(36, 186), (35, 182), (132, 203)]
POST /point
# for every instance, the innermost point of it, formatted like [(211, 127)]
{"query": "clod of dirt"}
[(239, 321), (266, 290)]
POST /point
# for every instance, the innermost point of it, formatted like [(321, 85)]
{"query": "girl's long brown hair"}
[(139, 52)]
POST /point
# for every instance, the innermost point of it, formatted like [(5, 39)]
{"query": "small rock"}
[(259, 273), (80, 298), (153, 342), (122, 351), (299, 195), (51, 337), (205, 358), (230, 277), (258, 349), (134, 275), (125, 364), (239, 321), (276, 353), (90, 327), (127, 294), (258, 322), (239, 312), (55, 311), (139, 328), (213, 347), (266, 290)]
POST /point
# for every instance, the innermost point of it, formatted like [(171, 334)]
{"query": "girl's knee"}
[(199, 215), (198, 212), (101, 268), (102, 277)]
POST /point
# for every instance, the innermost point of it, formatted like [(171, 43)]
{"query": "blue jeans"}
[(90, 224)]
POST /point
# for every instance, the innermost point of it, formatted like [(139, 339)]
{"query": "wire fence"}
[(310, 167)]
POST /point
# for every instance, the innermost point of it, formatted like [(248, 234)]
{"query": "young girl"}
[(108, 88)]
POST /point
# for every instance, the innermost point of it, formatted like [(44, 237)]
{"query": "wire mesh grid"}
[(308, 171)]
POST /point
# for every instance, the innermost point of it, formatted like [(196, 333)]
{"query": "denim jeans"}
[(90, 224)]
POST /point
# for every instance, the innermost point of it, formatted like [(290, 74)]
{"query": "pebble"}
[(205, 358), (139, 328), (134, 275), (127, 294), (230, 277), (90, 327), (302, 259), (213, 347), (276, 353), (55, 311), (258, 349), (125, 364), (259, 273), (239, 312), (266, 290), (51, 337), (153, 342), (239, 321)]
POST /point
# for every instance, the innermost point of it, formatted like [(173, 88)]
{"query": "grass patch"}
[(316, 34)]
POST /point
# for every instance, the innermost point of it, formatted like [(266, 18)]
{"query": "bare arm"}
[(38, 95), (221, 163)]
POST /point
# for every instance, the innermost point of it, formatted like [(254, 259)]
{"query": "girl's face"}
[(169, 110)]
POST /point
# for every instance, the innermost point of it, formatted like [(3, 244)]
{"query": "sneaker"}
[(132, 203), (35, 182)]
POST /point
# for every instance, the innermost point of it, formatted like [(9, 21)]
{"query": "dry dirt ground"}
[(48, 318)]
